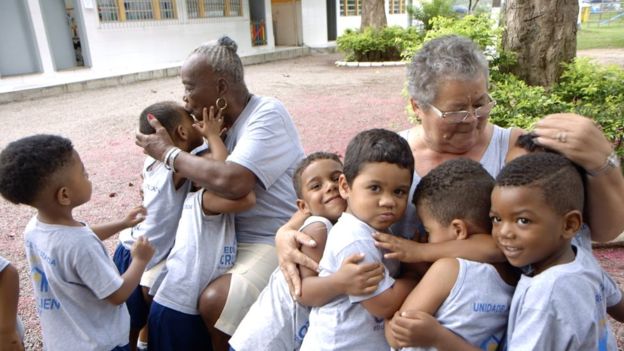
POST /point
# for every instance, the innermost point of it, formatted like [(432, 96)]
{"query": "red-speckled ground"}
[(329, 106)]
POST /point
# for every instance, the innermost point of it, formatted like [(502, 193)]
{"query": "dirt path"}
[(604, 56), (328, 104)]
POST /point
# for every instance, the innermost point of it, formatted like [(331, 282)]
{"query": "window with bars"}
[(396, 6), (136, 10), (214, 8), (350, 7)]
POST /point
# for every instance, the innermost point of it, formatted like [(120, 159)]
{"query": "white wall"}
[(314, 17)]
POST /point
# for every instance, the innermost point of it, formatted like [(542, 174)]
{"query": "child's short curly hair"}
[(27, 164), (319, 155), (457, 189), (168, 113), (560, 180)]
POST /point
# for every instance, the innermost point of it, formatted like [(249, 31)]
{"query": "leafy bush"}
[(370, 45)]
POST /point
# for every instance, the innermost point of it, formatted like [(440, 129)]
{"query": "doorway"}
[(331, 20), (287, 22), (63, 25)]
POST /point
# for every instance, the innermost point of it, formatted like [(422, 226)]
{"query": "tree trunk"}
[(542, 33), (373, 14)]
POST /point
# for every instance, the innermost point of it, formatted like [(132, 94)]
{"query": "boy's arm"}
[(430, 293), (214, 204), (417, 327), (617, 311), (211, 128), (134, 217), (9, 295), (477, 247), (351, 278), (385, 304), (142, 251)]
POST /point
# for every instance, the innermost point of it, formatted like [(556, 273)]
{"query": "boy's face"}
[(378, 194), (435, 231), (319, 182), (527, 229), (77, 181), (194, 137)]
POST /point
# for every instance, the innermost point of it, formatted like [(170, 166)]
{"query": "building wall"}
[(314, 17)]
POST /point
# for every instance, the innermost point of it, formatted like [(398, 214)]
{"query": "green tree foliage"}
[(429, 10)]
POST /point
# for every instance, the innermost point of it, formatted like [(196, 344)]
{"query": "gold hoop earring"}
[(221, 104)]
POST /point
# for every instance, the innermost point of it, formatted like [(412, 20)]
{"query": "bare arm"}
[(351, 278), (617, 311), (427, 332), (142, 252), (388, 302), (587, 146), (287, 243), (106, 230), (226, 179), (9, 295), (428, 295), (478, 247), (213, 204)]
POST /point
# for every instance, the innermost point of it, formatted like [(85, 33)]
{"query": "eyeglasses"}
[(461, 116)]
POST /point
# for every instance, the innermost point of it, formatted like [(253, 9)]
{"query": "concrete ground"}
[(329, 105)]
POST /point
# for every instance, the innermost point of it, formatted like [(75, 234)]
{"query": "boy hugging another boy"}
[(468, 298), (277, 322), (80, 295), (378, 168), (558, 304), (164, 193)]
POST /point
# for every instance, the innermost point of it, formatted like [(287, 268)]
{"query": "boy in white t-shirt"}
[(469, 298), (378, 168), (164, 192), (78, 291), (316, 183), (559, 302)]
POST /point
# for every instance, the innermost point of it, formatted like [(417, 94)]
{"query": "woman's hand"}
[(576, 137), (156, 144), (400, 249), (287, 244)]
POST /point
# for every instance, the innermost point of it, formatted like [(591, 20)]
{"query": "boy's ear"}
[(63, 196), (460, 229), (302, 206), (572, 223), (343, 187), (180, 132)]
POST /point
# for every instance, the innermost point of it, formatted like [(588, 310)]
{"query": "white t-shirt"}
[(562, 308), (264, 140), (164, 205), (477, 307), (72, 275), (288, 319), (204, 249), (344, 324)]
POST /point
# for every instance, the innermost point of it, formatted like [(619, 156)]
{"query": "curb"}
[(370, 64)]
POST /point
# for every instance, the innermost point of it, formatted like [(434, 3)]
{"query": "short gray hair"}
[(221, 56), (444, 58)]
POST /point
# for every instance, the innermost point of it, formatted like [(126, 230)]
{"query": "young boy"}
[(80, 295), (537, 206), (316, 184), (204, 249), (163, 193), (11, 328), (377, 175), (469, 298)]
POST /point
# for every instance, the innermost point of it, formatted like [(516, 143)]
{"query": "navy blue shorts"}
[(137, 306), (170, 330), (122, 348)]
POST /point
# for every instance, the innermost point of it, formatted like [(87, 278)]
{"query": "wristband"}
[(612, 161), (167, 156), (172, 157)]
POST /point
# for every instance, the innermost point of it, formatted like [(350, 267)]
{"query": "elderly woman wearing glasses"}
[(448, 86)]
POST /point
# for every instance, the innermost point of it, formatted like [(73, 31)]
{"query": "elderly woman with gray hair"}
[(264, 149), (448, 87)]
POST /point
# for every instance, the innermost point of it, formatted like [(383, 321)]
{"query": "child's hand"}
[(400, 249), (414, 329), (142, 250), (134, 217), (359, 279), (210, 125)]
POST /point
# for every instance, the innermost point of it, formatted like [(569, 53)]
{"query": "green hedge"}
[(373, 45)]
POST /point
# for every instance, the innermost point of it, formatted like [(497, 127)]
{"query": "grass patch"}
[(595, 36)]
